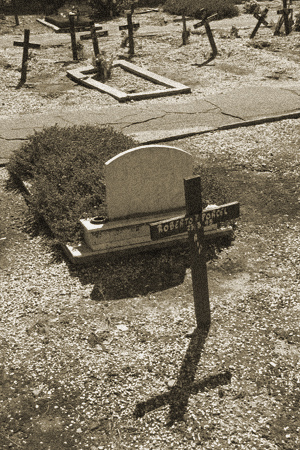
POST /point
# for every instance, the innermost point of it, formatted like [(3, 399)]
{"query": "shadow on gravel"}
[(142, 273), (178, 396), (134, 275)]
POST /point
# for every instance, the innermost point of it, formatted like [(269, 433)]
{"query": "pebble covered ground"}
[(101, 357)]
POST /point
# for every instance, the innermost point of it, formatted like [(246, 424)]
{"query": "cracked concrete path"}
[(163, 121)]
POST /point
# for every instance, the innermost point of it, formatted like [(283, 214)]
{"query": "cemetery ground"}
[(264, 60), (104, 357)]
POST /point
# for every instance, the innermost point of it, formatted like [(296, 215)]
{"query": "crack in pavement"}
[(143, 121), (224, 113), (168, 113)]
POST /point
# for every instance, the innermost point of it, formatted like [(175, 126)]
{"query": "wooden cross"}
[(95, 41), (286, 16), (15, 9), (185, 32), (26, 46), (261, 19), (130, 27), (205, 21), (72, 16), (194, 223)]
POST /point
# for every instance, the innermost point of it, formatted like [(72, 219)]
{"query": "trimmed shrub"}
[(224, 8), (251, 7), (65, 169)]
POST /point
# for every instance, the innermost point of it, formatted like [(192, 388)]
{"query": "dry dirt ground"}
[(102, 357)]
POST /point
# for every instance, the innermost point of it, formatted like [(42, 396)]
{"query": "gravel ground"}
[(101, 357)]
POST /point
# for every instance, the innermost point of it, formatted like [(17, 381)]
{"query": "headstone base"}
[(125, 234), (83, 254)]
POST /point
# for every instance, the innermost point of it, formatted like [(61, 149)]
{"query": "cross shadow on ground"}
[(178, 396)]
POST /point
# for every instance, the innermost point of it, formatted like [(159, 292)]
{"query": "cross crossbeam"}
[(135, 26), (182, 224)]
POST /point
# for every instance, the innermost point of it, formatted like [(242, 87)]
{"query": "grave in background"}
[(86, 76)]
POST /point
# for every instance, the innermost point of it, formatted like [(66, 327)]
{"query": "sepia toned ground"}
[(105, 356)]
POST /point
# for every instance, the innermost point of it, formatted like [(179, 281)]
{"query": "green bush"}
[(224, 8), (65, 169)]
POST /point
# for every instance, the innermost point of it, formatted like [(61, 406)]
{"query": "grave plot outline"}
[(84, 75)]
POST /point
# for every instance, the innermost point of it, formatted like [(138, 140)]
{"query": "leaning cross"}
[(194, 223), (285, 13), (261, 19), (130, 27), (205, 21), (26, 46)]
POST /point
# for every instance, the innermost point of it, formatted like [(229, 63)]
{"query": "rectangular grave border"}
[(83, 75)]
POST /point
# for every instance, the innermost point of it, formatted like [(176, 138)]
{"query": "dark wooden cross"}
[(73, 35), (205, 21), (95, 41), (15, 9), (261, 17), (185, 31), (26, 46), (286, 17), (130, 27), (194, 223)]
